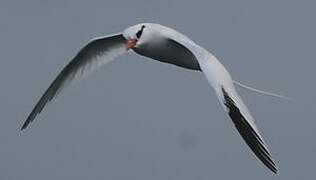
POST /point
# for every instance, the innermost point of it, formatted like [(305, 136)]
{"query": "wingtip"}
[(251, 137), (275, 170), (271, 165), (24, 125)]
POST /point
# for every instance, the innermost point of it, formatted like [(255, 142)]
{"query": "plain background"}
[(140, 119)]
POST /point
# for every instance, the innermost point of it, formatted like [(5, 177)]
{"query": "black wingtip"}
[(250, 136), (272, 167), (26, 123), (275, 170), (23, 127)]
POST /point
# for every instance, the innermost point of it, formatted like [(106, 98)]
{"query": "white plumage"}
[(166, 45)]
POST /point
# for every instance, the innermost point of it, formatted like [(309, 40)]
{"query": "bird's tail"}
[(262, 92)]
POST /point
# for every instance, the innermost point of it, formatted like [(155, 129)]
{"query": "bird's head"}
[(134, 35)]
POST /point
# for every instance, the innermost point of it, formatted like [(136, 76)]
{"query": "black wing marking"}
[(85, 58), (248, 133)]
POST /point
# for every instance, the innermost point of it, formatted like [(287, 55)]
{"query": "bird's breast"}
[(169, 51)]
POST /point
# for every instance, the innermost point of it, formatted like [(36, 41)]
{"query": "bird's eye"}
[(139, 33)]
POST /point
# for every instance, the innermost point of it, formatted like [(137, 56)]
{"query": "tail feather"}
[(262, 92)]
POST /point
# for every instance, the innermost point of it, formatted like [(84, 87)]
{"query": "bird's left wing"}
[(222, 83), (96, 53)]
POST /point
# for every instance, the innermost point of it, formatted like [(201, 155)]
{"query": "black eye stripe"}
[(139, 33)]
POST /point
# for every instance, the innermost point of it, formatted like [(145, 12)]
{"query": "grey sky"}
[(140, 119)]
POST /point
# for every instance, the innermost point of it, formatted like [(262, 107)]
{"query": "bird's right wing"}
[(222, 83), (96, 53)]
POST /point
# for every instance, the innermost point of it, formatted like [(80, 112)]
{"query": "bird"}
[(166, 45)]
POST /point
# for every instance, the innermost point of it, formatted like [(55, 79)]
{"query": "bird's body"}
[(169, 51), (166, 45)]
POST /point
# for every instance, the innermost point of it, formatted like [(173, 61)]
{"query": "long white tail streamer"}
[(262, 92)]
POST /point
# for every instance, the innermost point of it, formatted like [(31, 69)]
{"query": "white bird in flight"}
[(166, 45)]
